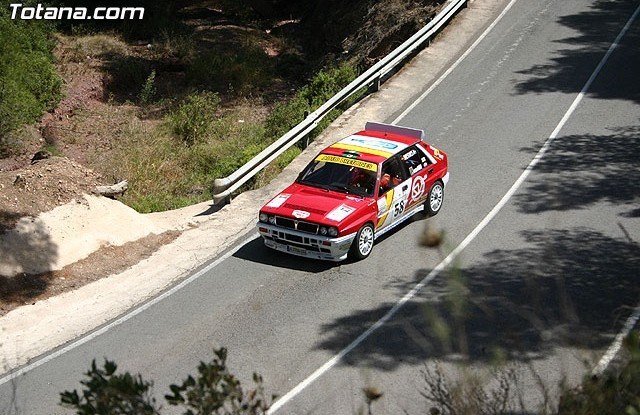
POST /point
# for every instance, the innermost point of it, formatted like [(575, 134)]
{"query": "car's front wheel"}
[(436, 197), (363, 243)]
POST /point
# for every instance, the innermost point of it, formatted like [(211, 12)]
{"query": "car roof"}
[(372, 146)]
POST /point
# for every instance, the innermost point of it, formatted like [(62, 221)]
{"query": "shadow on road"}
[(563, 289), (581, 170), (571, 68)]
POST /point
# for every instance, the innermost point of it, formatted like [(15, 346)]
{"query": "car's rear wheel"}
[(363, 243), (435, 199)]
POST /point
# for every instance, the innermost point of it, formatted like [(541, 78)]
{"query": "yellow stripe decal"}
[(347, 161), (388, 200), (359, 149), (382, 219)]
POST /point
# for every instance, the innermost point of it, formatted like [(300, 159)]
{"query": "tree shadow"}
[(581, 170), (26, 255), (563, 288), (569, 70)]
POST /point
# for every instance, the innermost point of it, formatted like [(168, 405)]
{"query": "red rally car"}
[(354, 191)]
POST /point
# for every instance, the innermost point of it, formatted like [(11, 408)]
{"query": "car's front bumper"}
[(305, 244)]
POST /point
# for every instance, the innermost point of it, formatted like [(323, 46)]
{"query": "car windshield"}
[(339, 177)]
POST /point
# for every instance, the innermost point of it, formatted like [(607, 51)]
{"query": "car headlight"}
[(323, 230), (263, 217), (333, 231), (272, 220)]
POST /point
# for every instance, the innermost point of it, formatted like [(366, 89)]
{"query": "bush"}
[(193, 119), (29, 84), (285, 116), (617, 393), (110, 393), (327, 83), (217, 391), (148, 91), (213, 391), (322, 86), (126, 75)]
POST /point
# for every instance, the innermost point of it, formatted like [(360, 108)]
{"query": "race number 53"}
[(398, 208)]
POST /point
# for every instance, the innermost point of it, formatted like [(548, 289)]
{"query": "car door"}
[(393, 192), (420, 166)]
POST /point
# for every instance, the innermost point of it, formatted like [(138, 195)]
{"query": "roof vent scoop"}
[(394, 129)]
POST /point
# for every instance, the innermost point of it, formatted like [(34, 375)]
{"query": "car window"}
[(413, 160), (340, 177), (392, 174)]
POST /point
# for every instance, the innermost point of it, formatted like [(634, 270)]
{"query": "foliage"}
[(148, 91), (285, 116), (108, 393), (617, 393), (327, 83), (214, 391), (469, 396), (322, 86), (29, 84), (217, 391), (193, 119), (238, 70), (126, 75)]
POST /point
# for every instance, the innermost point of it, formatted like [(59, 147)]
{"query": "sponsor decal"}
[(418, 187), (437, 154), (347, 161), (279, 200), (341, 212), (369, 142), (409, 155), (301, 214)]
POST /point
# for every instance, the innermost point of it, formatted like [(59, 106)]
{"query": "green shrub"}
[(612, 394), (126, 74), (213, 390), (29, 84), (148, 91), (285, 116), (109, 393), (327, 83), (193, 119), (322, 86)]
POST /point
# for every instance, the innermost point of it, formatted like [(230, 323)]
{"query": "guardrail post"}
[(375, 87)]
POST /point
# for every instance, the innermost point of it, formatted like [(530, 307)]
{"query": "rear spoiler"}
[(395, 129)]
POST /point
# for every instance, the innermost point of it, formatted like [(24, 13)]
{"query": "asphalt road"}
[(548, 282)]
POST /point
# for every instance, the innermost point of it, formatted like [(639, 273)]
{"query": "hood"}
[(315, 205)]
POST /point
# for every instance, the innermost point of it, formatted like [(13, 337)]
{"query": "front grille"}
[(285, 241), (297, 225)]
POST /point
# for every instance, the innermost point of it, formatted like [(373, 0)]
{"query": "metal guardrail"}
[(223, 188)]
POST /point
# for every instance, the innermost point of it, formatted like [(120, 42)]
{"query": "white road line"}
[(125, 317), (455, 64), (333, 361), (617, 343)]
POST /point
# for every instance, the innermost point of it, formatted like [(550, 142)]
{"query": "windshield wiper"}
[(341, 187)]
